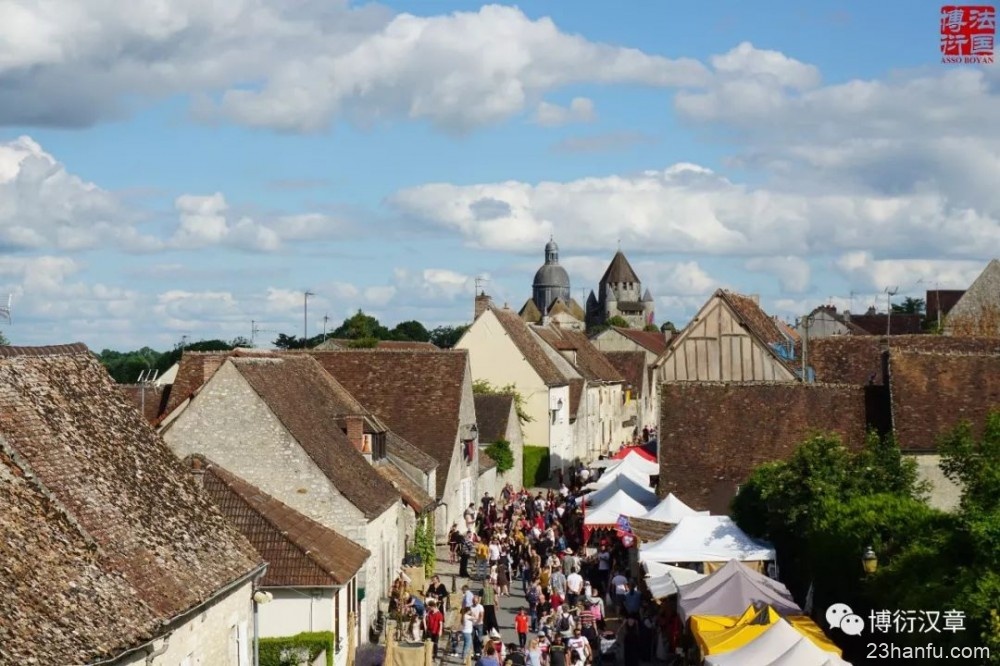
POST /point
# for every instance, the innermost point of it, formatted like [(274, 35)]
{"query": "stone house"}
[(638, 389), (111, 553), (313, 570), (730, 339), (498, 420), (426, 397), (598, 415), (644, 401), (824, 321), (282, 424), (977, 312), (504, 350)]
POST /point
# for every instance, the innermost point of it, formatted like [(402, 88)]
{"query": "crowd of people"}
[(570, 588)]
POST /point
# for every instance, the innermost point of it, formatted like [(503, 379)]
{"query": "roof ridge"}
[(70, 349)]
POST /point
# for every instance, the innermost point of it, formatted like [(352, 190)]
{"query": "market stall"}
[(779, 645), (730, 590), (671, 510)]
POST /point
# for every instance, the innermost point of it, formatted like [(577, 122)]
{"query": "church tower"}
[(620, 294), (551, 280)]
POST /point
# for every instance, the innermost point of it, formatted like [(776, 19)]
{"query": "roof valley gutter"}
[(178, 620)]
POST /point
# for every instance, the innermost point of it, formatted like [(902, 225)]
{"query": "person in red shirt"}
[(521, 626), (433, 623)]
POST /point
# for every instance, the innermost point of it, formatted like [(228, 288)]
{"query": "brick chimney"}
[(355, 426), (483, 303), (198, 470)]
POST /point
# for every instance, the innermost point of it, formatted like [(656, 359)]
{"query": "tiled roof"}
[(932, 393), (150, 404), (413, 494), (591, 363), (485, 462), (619, 270), (417, 393), (398, 446), (978, 311), (530, 312), (901, 324), (193, 370), (755, 319), (631, 366), (529, 346), (299, 551), (853, 359), (942, 300), (332, 344), (105, 538), (576, 310), (492, 416), (789, 332), (654, 342), (713, 434), (304, 398)]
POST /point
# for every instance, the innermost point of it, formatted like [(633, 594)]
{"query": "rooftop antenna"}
[(853, 294), (305, 316), (888, 315), (326, 320), (146, 378), (480, 281), (5, 311), (184, 339)]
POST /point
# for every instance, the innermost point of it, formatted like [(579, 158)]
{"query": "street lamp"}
[(260, 597), (869, 561)]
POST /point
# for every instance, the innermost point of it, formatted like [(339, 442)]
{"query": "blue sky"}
[(184, 171)]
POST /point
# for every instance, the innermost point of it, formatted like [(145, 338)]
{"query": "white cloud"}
[(792, 272), (44, 206), (186, 311), (686, 208), (861, 268), (580, 110), (296, 66)]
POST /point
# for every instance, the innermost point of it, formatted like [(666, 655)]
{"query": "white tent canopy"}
[(706, 539), (609, 478), (664, 584), (729, 590), (619, 504), (635, 489), (780, 644), (633, 462), (671, 510)]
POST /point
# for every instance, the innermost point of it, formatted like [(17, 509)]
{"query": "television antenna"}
[(146, 378), (6, 311), (326, 320), (888, 313), (480, 281), (254, 330)]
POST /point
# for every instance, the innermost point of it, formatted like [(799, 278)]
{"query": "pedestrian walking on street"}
[(521, 626)]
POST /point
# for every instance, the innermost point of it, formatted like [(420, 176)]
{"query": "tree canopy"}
[(825, 505), (365, 330)]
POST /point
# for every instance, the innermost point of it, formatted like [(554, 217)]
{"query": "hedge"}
[(536, 466), (271, 649)]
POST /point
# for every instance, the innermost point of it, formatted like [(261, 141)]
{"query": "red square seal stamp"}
[(968, 33)]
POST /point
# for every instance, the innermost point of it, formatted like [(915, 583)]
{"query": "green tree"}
[(285, 341), (447, 337), (651, 328), (910, 305), (410, 330), (125, 367), (240, 341), (484, 387), (171, 357), (618, 321), (361, 325)]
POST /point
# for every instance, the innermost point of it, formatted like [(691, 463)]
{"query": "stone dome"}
[(551, 275)]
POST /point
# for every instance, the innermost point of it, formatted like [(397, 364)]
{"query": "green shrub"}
[(536, 465), (275, 651), (501, 452)]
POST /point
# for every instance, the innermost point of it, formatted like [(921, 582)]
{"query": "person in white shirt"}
[(580, 645), (574, 587), (619, 586), (478, 619), (494, 548), (468, 626)]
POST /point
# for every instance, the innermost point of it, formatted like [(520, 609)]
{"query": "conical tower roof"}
[(647, 297), (619, 270)]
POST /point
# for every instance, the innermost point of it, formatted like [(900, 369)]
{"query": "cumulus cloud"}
[(296, 66), (864, 270), (42, 205), (580, 110), (687, 208), (793, 273)]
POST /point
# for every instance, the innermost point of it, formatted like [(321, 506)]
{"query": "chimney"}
[(483, 303), (355, 427), (198, 471)]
